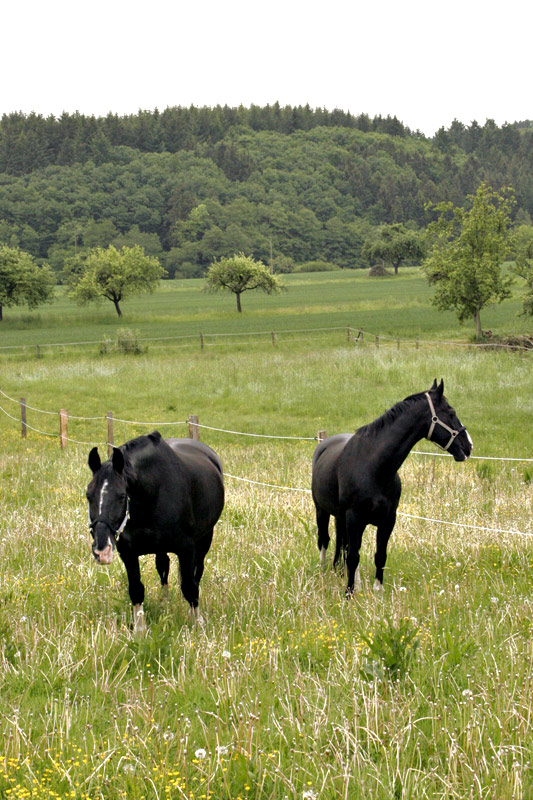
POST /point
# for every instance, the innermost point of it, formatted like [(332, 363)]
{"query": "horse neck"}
[(396, 440)]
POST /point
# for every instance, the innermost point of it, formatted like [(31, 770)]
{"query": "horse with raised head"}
[(355, 476), (158, 496)]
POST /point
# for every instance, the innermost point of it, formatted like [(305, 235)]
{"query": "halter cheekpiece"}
[(116, 533), (436, 421)]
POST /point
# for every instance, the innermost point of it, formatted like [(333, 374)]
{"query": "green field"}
[(287, 690), (394, 307)]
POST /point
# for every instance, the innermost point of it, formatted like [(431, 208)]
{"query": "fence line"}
[(399, 513), (194, 425), (111, 418), (351, 330)]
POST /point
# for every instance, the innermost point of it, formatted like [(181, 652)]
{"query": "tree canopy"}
[(113, 274), (240, 274), (393, 244), (468, 247), (194, 185), (22, 281)]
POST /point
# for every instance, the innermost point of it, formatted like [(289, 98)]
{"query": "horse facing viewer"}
[(355, 476), (158, 496)]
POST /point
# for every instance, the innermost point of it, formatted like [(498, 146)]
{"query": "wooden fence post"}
[(273, 339), (110, 435), (417, 344), (194, 431), (38, 351), (397, 344), (23, 416), (63, 427), (377, 342), (321, 435), (201, 341)]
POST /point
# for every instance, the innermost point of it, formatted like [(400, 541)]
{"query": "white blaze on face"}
[(469, 439), (103, 490)]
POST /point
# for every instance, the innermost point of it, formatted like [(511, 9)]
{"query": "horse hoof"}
[(139, 622), (378, 587)]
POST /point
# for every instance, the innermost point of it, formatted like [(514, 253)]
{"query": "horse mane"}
[(135, 449), (386, 419)]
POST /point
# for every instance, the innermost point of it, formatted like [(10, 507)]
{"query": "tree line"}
[(286, 185)]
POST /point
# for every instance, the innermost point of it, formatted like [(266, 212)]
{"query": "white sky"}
[(427, 62)]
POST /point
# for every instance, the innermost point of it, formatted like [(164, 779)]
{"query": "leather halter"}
[(436, 421), (116, 533)]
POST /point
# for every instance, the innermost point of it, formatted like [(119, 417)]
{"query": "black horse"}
[(355, 476), (159, 496)]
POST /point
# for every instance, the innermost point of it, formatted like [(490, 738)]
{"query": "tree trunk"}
[(238, 296), (396, 265), (119, 312), (477, 323), (1, 317)]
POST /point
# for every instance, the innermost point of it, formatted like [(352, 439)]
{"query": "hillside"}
[(193, 184)]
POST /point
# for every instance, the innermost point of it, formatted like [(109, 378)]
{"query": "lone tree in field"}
[(22, 281), (240, 274), (113, 274), (394, 243), (468, 247)]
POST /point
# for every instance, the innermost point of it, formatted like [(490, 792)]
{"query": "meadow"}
[(286, 690)]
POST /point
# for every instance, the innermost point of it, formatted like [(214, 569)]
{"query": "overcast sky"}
[(424, 61)]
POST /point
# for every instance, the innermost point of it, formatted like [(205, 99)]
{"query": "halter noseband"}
[(436, 421), (116, 533)]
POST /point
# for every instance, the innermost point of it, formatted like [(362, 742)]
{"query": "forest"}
[(287, 184)]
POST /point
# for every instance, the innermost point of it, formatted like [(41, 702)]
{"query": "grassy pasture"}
[(287, 690), (397, 307)]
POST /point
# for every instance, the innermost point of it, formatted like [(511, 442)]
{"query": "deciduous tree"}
[(241, 274), (524, 264), (113, 274), (22, 281), (468, 247), (393, 244)]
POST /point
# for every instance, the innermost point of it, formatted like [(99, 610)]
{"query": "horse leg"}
[(189, 584), (382, 539), (354, 534), (201, 550), (322, 521), (340, 540), (136, 590), (162, 563)]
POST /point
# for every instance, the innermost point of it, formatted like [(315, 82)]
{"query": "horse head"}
[(445, 428), (108, 504)]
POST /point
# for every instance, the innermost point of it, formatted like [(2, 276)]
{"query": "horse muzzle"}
[(463, 447), (104, 556), (103, 547)]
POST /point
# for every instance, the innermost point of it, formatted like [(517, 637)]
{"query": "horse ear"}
[(94, 460), (155, 436), (434, 384), (440, 388), (117, 460)]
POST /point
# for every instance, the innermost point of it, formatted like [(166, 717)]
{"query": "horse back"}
[(202, 469)]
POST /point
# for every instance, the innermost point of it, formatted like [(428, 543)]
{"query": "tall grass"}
[(287, 690)]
